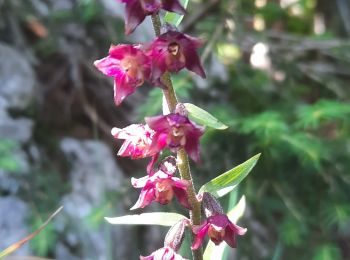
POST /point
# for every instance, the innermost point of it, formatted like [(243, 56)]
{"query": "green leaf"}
[(203, 117), (155, 218), (213, 252), (227, 181), (326, 252), (174, 18)]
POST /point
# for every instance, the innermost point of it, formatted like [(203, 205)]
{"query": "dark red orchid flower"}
[(137, 10), (129, 66), (175, 131), (172, 51), (219, 228), (161, 186)]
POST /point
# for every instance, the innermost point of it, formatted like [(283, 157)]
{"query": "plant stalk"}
[(182, 157)]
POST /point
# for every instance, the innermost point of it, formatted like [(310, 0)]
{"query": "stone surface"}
[(13, 227), (17, 78), (93, 173)]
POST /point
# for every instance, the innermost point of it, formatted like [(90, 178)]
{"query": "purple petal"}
[(182, 197), (126, 149), (237, 229), (139, 183), (219, 220), (173, 6), (118, 51), (230, 237), (151, 163), (157, 123), (193, 62), (200, 234), (192, 148), (122, 89), (108, 66), (134, 16), (146, 197)]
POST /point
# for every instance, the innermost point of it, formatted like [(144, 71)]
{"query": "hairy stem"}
[(183, 163)]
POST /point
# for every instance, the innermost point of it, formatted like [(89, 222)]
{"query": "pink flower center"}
[(132, 68), (173, 48), (164, 191), (175, 59), (216, 234), (176, 137)]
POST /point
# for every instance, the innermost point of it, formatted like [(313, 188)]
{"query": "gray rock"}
[(18, 130), (17, 78), (93, 173), (13, 223), (94, 170)]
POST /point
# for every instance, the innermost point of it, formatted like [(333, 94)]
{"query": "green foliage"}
[(322, 112), (336, 214), (327, 252), (226, 182), (154, 218), (8, 161), (202, 117), (292, 232), (43, 243)]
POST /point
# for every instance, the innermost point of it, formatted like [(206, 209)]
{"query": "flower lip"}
[(219, 228)]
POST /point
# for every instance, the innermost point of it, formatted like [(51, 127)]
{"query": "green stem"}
[(183, 162)]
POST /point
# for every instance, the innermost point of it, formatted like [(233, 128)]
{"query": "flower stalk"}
[(182, 157)]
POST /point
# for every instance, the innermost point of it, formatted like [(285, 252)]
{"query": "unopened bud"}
[(176, 235), (211, 205), (168, 165), (181, 109)]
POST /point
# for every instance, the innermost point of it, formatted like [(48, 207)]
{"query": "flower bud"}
[(168, 165), (211, 205), (176, 235)]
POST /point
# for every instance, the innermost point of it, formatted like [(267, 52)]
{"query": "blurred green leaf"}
[(155, 218), (202, 117), (336, 214), (321, 112), (227, 181), (292, 232), (266, 126), (327, 252), (306, 147), (8, 161), (174, 18)]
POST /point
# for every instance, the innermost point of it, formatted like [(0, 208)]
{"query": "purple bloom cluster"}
[(133, 65)]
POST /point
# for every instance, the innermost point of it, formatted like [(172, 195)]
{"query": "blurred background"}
[(278, 75)]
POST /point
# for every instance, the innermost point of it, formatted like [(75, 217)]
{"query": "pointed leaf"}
[(227, 181), (202, 117), (174, 18), (20, 243), (155, 218)]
